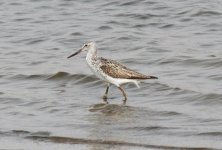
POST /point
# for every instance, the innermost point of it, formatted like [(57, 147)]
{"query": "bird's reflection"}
[(107, 119), (109, 109)]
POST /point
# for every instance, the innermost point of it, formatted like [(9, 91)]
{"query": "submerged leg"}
[(106, 93), (124, 94)]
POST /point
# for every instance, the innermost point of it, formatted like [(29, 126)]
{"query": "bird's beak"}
[(76, 53)]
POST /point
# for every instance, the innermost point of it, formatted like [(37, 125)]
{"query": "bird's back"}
[(117, 70)]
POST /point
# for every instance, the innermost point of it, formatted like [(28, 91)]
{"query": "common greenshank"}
[(110, 71)]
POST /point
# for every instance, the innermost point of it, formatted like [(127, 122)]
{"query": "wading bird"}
[(110, 71)]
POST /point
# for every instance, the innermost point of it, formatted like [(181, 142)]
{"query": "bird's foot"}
[(105, 99), (124, 101)]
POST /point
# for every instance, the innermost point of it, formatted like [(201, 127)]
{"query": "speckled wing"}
[(116, 70)]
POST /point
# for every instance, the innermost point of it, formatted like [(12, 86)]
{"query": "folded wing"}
[(116, 70)]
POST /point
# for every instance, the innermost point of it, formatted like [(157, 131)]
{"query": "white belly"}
[(101, 75)]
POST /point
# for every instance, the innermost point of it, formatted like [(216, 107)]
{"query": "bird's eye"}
[(86, 45)]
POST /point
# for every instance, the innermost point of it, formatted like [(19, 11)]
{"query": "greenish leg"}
[(124, 94), (106, 93)]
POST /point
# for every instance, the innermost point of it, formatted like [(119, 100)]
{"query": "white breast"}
[(95, 68)]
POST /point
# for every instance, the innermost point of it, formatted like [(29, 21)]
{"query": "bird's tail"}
[(152, 77)]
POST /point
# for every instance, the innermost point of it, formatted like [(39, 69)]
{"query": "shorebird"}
[(110, 71)]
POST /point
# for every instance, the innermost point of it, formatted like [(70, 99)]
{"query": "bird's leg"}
[(106, 93), (124, 94)]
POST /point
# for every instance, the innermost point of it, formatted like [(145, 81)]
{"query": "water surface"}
[(50, 102)]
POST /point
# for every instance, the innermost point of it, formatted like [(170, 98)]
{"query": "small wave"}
[(45, 136), (207, 62), (163, 85), (79, 78), (104, 28), (59, 75), (90, 80), (207, 99), (216, 77), (123, 38), (27, 133), (23, 77), (35, 41), (206, 13), (109, 4), (129, 3), (140, 26), (183, 12), (168, 61), (147, 128), (15, 4), (211, 134), (139, 16), (185, 19), (166, 26), (169, 113), (215, 62), (20, 132), (41, 133), (22, 19), (24, 133), (116, 23), (70, 140), (76, 33)]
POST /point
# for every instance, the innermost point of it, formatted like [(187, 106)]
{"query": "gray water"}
[(50, 102)]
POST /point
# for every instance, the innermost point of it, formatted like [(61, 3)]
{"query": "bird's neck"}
[(92, 53)]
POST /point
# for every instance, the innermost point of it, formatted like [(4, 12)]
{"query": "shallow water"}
[(50, 102)]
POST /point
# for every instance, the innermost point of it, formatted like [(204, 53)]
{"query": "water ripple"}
[(178, 41), (43, 136), (206, 13)]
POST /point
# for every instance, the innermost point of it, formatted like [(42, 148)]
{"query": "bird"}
[(110, 71)]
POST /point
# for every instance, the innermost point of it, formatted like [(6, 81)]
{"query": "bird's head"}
[(86, 47)]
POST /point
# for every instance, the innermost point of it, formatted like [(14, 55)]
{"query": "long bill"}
[(75, 53)]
